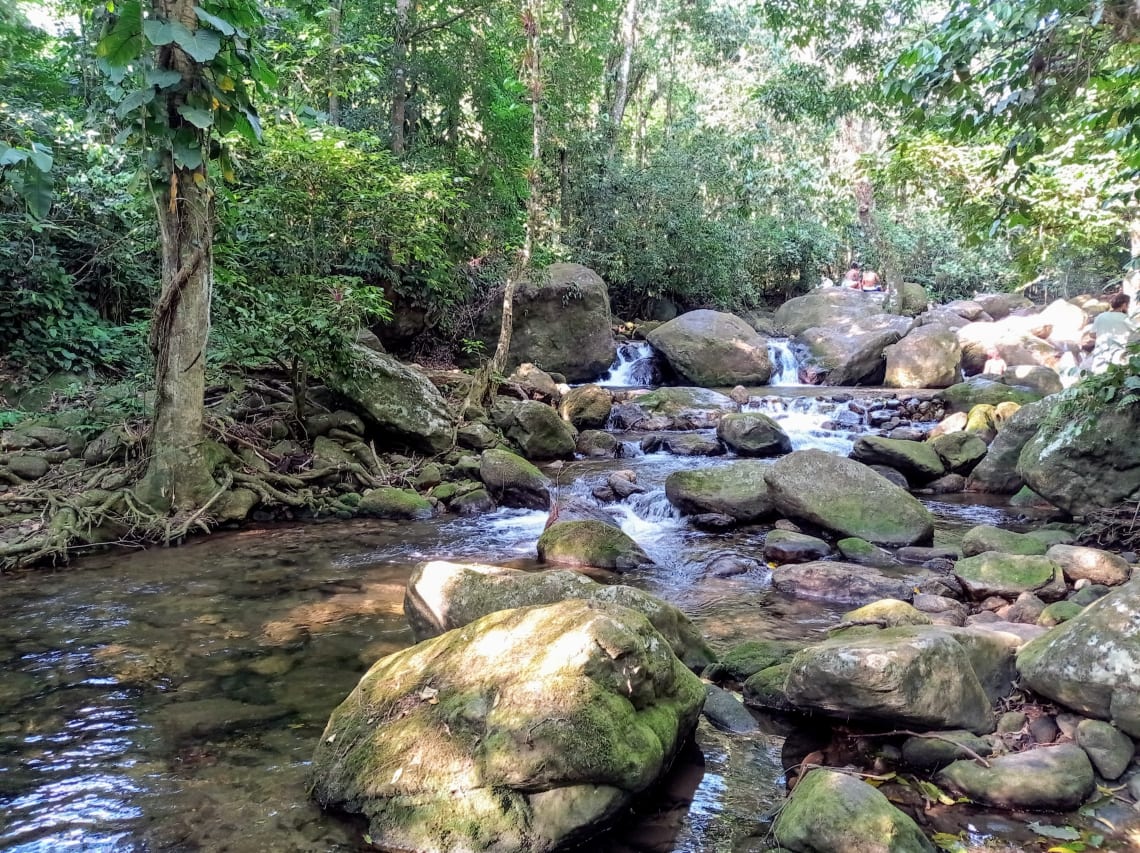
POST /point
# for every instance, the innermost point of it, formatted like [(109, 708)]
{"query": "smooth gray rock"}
[(1048, 779)]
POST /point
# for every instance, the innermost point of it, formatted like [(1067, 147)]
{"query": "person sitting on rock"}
[(870, 282), (995, 364), (1113, 329), (853, 278)]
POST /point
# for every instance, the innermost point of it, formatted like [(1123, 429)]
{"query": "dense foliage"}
[(709, 153)]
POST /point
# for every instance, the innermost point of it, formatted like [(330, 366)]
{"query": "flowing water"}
[(170, 699), (785, 364)]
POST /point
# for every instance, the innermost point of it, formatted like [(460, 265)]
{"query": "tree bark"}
[(400, 46), (335, 10), (178, 476), (619, 73)]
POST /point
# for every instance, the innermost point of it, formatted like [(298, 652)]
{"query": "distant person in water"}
[(870, 282), (1113, 330), (853, 278)]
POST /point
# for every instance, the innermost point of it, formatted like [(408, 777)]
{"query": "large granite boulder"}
[(535, 429), (1091, 663), (1086, 459), (841, 583), (980, 390), (898, 676), (917, 460), (587, 406), (513, 481), (1065, 322), (1047, 779), (590, 544), (911, 299), (928, 357), (847, 497), (1000, 305), (997, 472), (674, 408), (1012, 338), (397, 401), (1090, 564), (753, 434), (961, 451), (835, 307), (853, 356), (711, 348), (1009, 575), (737, 489), (441, 596), (832, 812), (561, 323), (522, 732)]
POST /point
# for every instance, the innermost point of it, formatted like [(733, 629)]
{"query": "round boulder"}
[(513, 481), (753, 434), (711, 349)]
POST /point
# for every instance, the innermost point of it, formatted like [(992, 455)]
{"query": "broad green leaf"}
[(41, 156), (159, 33), (220, 24), (10, 156), (122, 43), (1062, 833), (136, 99), (187, 155), (36, 191), (200, 118), (202, 45), (162, 77)]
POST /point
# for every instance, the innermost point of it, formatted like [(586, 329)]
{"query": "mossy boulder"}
[(977, 390), (753, 434), (1048, 779), (536, 430), (1009, 575), (512, 481), (390, 502), (847, 497), (985, 537), (766, 688), (832, 812), (441, 596), (713, 349), (939, 749), (745, 660), (864, 553), (686, 408), (889, 613), (787, 546), (587, 406), (997, 472), (960, 451), (917, 460), (592, 544), (928, 357), (526, 730), (737, 489)]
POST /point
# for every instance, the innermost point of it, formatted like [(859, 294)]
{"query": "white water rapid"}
[(785, 366), (634, 367)]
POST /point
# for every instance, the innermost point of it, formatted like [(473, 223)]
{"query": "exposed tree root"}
[(1117, 527)]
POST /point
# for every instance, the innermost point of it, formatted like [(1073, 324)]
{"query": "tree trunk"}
[(1131, 284), (335, 10), (400, 46), (619, 72), (178, 476)]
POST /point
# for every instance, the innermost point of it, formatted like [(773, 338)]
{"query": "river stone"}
[(1108, 749), (786, 546), (593, 544), (595, 444), (1086, 595), (1009, 575), (982, 421), (475, 502), (28, 466), (856, 550), (390, 502), (898, 676), (562, 323), (928, 357), (535, 382), (1084, 460), (748, 658), (960, 451), (837, 307), (985, 537), (891, 475), (853, 357), (713, 349), (889, 611), (999, 305), (397, 400), (916, 459), (997, 472), (1092, 662), (512, 481), (847, 497), (213, 718), (535, 429), (1027, 608), (1093, 564), (938, 749), (839, 583), (753, 434), (1038, 378), (726, 712), (684, 444), (476, 436), (1046, 779), (831, 812), (1057, 612), (738, 490), (526, 730), (978, 390), (441, 596), (587, 406), (765, 689), (690, 408)]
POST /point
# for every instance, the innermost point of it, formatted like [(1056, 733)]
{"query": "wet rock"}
[(713, 349), (475, 502), (938, 749), (919, 555), (536, 430), (595, 444), (726, 712), (713, 521), (985, 537), (587, 407), (683, 445), (1081, 563), (1092, 662), (730, 565), (766, 688), (783, 546), (853, 356), (513, 481), (738, 490), (997, 472), (1048, 779), (960, 451), (847, 497), (1009, 575), (839, 583), (946, 485), (745, 660), (1109, 750), (891, 475), (863, 553), (442, 595), (753, 434), (477, 436), (831, 811), (551, 766), (389, 502), (624, 483), (590, 544), (915, 459), (886, 677), (212, 718), (1058, 612), (681, 408), (888, 612)]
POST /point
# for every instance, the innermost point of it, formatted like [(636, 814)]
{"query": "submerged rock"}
[(526, 730), (786, 546), (593, 544)]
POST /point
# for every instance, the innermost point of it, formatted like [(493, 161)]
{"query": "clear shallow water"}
[(170, 699)]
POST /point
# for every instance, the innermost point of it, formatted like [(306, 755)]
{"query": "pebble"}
[(1044, 729)]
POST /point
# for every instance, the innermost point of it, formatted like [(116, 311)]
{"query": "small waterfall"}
[(785, 367), (812, 422), (634, 367)]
